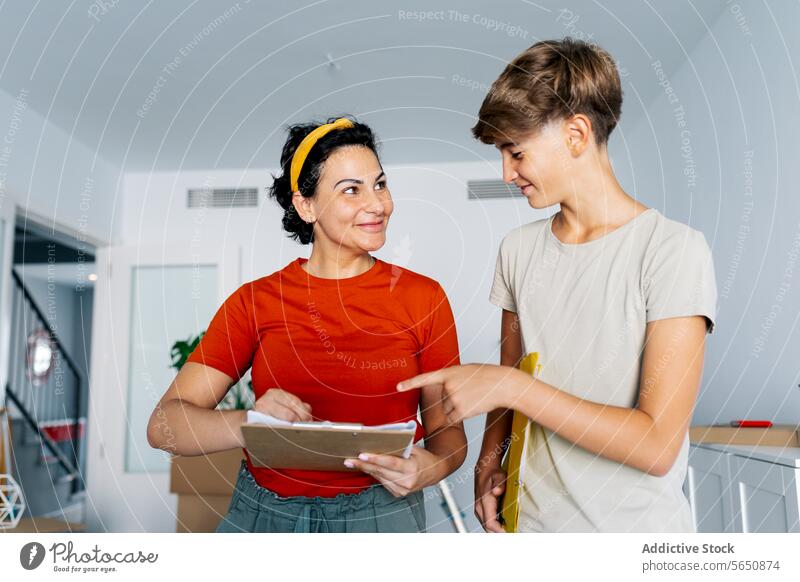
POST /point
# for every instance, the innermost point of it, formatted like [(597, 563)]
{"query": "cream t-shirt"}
[(584, 308)]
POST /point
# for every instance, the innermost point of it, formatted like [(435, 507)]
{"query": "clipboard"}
[(320, 446)]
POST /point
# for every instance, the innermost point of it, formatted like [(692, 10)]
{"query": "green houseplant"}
[(239, 397)]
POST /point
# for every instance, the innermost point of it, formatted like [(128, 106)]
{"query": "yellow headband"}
[(300, 154)]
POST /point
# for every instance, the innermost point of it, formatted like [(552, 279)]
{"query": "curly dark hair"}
[(358, 135)]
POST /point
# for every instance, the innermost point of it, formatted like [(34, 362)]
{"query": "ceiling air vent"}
[(489, 189), (222, 197)]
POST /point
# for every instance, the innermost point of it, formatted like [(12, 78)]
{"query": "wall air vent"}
[(490, 189), (222, 197)]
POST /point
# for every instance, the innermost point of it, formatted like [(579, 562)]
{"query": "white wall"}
[(740, 94), (50, 174)]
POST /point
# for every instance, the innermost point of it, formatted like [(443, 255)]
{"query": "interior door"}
[(146, 298), (6, 258)]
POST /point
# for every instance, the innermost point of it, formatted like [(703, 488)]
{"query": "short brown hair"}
[(553, 79)]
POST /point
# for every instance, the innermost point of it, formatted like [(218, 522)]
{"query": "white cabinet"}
[(744, 489), (708, 483), (764, 496)]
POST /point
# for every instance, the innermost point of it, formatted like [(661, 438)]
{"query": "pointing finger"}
[(426, 379)]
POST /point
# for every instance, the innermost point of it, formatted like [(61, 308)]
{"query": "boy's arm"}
[(489, 478), (649, 436), (498, 422)]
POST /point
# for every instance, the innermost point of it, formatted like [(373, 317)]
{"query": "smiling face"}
[(352, 204), (540, 164)]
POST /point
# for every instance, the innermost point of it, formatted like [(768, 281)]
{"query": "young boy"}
[(616, 300)]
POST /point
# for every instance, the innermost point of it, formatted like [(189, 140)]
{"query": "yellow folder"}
[(513, 463)]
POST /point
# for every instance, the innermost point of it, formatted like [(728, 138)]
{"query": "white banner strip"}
[(401, 557)]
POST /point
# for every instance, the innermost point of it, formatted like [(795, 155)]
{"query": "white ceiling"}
[(263, 65)]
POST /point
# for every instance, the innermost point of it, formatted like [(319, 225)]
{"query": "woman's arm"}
[(185, 421), (446, 441), (647, 437)]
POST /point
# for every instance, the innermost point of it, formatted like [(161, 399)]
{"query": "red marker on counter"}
[(751, 423)]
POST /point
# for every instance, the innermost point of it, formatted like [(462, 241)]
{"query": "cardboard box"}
[(201, 513), (204, 485), (779, 435), (213, 474)]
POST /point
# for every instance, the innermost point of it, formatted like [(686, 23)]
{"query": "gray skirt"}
[(254, 508)]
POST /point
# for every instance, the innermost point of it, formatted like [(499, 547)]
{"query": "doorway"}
[(51, 292)]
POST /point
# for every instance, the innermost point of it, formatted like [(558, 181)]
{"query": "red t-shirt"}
[(341, 345)]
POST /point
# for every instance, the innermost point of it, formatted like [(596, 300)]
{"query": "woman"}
[(327, 338), (616, 300)]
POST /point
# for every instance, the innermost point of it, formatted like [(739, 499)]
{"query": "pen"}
[(751, 423)]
